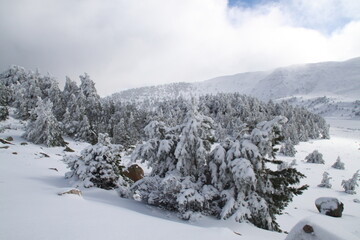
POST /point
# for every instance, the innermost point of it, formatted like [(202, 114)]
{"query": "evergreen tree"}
[(232, 181), (325, 182), (288, 149), (98, 165), (248, 189), (315, 157), (43, 127), (350, 184), (177, 157), (4, 101), (338, 164)]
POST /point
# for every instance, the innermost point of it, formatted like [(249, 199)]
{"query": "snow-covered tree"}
[(325, 182), (98, 165), (43, 128), (248, 189), (315, 157), (85, 131), (4, 101), (350, 184), (177, 157), (287, 148), (338, 164), (231, 181)]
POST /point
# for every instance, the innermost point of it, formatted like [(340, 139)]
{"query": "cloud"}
[(124, 44)]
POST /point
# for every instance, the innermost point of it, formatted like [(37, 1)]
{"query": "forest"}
[(209, 155)]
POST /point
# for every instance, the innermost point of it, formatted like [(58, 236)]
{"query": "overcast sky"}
[(123, 44)]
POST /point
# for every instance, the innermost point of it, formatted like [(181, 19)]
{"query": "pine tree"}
[(98, 165), (177, 157), (231, 181), (315, 157), (338, 164), (4, 101), (288, 149), (43, 127), (350, 184), (248, 189), (325, 182)]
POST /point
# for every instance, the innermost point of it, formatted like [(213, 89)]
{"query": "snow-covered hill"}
[(30, 207), (338, 81)]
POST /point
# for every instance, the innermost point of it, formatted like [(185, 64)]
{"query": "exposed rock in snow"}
[(329, 206)]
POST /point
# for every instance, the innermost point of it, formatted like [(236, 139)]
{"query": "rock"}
[(72, 191), (329, 206), (67, 149), (356, 200), (10, 138), (134, 172), (3, 141), (4, 147), (15, 153), (44, 154), (308, 229), (23, 143)]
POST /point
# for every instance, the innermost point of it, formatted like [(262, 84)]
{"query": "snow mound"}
[(319, 230)]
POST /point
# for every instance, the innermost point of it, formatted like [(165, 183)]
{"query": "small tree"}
[(43, 126), (4, 100), (98, 165), (288, 149), (315, 157), (338, 164), (350, 185), (325, 182)]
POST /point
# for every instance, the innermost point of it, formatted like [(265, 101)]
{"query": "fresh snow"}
[(30, 207)]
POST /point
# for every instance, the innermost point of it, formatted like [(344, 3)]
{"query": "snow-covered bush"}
[(325, 182), (98, 165), (231, 181), (288, 149), (43, 128), (315, 157), (285, 165), (350, 184), (338, 164), (4, 95)]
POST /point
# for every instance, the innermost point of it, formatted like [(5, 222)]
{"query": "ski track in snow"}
[(30, 207)]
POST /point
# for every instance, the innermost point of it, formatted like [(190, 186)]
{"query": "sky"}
[(124, 44)]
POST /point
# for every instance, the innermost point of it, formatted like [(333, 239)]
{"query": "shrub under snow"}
[(325, 182), (350, 185), (338, 164), (98, 165), (315, 157)]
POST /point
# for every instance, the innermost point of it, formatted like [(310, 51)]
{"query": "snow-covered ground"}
[(30, 207)]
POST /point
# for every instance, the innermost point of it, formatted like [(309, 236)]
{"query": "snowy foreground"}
[(30, 207)]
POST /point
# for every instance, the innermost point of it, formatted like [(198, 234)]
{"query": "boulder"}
[(308, 229), (134, 172), (329, 206), (71, 191)]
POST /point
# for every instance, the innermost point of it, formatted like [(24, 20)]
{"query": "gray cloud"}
[(124, 44)]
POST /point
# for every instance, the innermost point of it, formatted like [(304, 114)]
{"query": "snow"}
[(326, 203), (30, 207), (339, 81)]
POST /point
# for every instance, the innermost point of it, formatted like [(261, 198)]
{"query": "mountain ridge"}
[(332, 79)]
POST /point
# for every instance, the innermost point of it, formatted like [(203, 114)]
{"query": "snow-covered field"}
[(30, 207)]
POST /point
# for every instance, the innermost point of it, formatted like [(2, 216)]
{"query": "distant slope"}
[(333, 79), (340, 79), (243, 83)]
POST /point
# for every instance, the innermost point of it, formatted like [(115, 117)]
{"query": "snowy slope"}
[(318, 79), (243, 83), (333, 79), (31, 209)]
